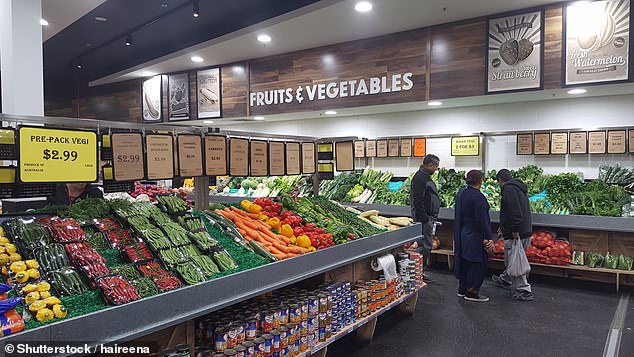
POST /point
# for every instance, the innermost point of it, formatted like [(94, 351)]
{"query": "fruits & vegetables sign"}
[(515, 52), (178, 96), (597, 42)]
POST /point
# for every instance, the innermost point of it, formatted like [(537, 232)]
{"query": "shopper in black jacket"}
[(515, 223), (425, 203)]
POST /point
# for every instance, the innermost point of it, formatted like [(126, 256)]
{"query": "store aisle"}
[(561, 321)]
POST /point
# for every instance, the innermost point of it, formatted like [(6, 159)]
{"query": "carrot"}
[(250, 224), (239, 211), (242, 232), (279, 256), (285, 239), (291, 249), (254, 215), (226, 213), (274, 250)]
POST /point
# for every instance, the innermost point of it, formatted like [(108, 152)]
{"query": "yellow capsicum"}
[(286, 230), (245, 204), (275, 223), (253, 208)]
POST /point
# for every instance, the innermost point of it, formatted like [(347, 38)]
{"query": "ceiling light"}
[(330, 112), (435, 103), (258, 118), (78, 63), (363, 6), (577, 91), (196, 8), (264, 38), (197, 59), (128, 40), (101, 19), (43, 22), (147, 74), (208, 122), (163, 5)]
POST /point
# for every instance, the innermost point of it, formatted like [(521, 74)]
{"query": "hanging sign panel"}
[(208, 93), (178, 96), (514, 59), (239, 157), (559, 143), (542, 144), (597, 42), (151, 100), (128, 158), (524, 144), (406, 147), (277, 165), (293, 166), (159, 156), (259, 158), (359, 149), (381, 148), (190, 155), (344, 156), (54, 155), (630, 146), (215, 155), (465, 146), (308, 158), (578, 142), (420, 147), (617, 142), (176, 166), (370, 148), (596, 142)]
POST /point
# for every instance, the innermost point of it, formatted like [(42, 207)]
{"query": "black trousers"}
[(471, 277)]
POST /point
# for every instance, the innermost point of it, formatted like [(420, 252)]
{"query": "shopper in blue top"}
[(472, 238)]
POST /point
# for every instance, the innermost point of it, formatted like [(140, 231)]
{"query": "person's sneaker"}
[(460, 294), (520, 295), (477, 298), (499, 282), (427, 279)]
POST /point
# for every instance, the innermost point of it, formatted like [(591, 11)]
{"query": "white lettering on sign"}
[(351, 88)]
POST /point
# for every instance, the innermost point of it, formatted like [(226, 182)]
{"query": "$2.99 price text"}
[(128, 158), (66, 155)]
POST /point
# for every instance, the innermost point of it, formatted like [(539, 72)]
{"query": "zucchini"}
[(400, 221), (261, 251)]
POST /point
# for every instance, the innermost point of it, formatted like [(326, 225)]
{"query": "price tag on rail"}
[(55, 155), (128, 159)]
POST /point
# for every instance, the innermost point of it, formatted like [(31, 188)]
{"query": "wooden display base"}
[(568, 271)]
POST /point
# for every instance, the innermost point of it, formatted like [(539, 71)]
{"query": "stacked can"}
[(407, 271), (418, 264)]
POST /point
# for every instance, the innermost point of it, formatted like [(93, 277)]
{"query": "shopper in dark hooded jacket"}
[(472, 238), (515, 223)]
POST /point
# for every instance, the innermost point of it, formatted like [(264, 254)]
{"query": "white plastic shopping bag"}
[(518, 263)]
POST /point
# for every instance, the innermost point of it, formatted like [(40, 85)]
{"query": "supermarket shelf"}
[(576, 268), (594, 223), (227, 199), (139, 318), (352, 327)]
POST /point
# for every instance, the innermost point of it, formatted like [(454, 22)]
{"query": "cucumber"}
[(261, 251)]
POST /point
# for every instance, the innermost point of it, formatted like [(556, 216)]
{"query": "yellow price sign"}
[(465, 146), (56, 155)]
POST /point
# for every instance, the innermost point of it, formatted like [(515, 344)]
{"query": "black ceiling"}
[(175, 29)]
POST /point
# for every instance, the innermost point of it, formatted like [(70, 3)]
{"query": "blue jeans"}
[(519, 283)]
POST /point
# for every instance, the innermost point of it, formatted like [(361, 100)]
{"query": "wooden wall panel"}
[(458, 60), (553, 27), (374, 57), (621, 243), (234, 90), (588, 241)]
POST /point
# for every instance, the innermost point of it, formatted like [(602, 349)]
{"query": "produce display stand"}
[(585, 233), (130, 321)]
